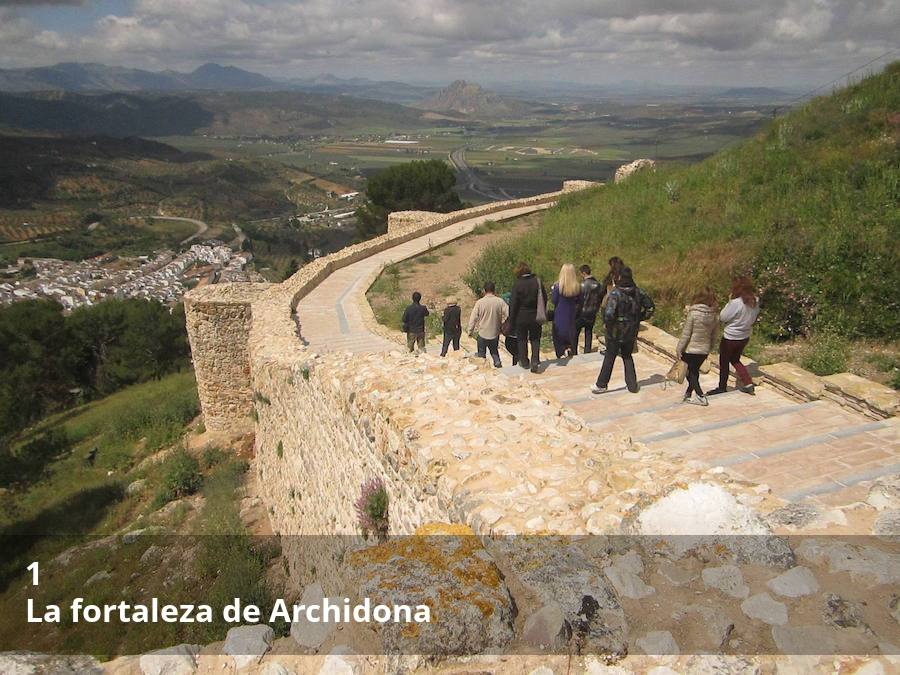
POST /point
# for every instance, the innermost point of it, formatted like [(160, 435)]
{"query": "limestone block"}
[(471, 608), (795, 379), (877, 397), (178, 660), (247, 644), (796, 582), (763, 607), (306, 633), (658, 339)]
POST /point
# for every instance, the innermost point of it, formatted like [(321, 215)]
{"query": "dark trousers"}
[(586, 324), (412, 339), (693, 361), (448, 338), (616, 348), (730, 352), (485, 345), (512, 346), (528, 332)]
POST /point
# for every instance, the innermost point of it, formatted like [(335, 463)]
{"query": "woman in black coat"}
[(523, 315)]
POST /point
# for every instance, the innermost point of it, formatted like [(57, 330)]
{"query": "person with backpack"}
[(697, 339), (738, 317), (413, 323), (566, 297), (591, 296), (452, 323), (488, 316), (527, 314), (626, 307)]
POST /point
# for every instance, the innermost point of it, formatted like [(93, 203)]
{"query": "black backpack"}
[(632, 308), (593, 296)]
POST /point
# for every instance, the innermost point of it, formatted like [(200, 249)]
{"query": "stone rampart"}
[(218, 324)]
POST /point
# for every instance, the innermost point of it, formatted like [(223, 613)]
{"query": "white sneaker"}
[(598, 390), (699, 400)]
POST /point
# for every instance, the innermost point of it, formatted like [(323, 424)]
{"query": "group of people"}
[(577, 299)]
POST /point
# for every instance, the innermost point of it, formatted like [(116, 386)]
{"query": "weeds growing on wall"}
[(372, 508)]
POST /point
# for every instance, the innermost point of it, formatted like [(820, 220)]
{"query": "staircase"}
[(801, 450)]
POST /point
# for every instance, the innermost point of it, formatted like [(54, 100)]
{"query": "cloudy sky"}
[(796, 42)]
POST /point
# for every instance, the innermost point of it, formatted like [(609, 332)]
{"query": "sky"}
[(729, 42)]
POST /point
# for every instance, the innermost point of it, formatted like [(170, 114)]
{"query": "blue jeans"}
[(485, 345)]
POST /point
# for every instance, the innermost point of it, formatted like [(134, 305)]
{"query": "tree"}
[(420, 185)]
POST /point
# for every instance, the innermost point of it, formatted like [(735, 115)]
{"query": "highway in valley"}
[(473, 181)]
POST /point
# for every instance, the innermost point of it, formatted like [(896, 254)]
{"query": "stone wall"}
[(231, 326), (218, 324)]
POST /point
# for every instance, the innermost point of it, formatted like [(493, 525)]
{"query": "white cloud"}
[(676, 40)]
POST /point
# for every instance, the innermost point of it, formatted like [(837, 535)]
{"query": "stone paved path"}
[(801, 450), (330, 317)]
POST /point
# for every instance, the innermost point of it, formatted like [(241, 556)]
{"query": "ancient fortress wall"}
[(451, 441)]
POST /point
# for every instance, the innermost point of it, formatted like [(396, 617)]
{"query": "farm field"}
[(522, 156)]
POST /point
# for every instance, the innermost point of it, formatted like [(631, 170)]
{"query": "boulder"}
[(795, 583), (887, 524), (446, 568), (247, 644), (763, 608), (657, 642), (27, 663), (546, 628), (307, 633), (177, 660), (885, 493), (341, 661), (136, 487), (557, 570), (727, 579)]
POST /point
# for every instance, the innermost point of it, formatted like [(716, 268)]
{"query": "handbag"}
[(677, 372), (506, 328), (541, 314)]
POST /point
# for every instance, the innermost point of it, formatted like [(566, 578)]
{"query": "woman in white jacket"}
[(738, 317), (697, 340)]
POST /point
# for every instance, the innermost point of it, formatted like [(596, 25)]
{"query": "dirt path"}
[(439, 272)]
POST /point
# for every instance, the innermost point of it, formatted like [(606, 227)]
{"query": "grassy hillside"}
[(809, 207)]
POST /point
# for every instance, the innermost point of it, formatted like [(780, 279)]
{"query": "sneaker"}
[(698, 400), (498, 365), (536, 368), (685, 399), (749, 389), (599, 390), (717, 390)]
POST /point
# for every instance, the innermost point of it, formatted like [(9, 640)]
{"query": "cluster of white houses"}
[(165, 276)]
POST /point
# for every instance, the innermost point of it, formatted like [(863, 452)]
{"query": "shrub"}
[(828, 354), (180, 477), (372, 508), (213, 456)]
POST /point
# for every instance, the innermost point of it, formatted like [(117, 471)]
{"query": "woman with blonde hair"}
[(566, 296)]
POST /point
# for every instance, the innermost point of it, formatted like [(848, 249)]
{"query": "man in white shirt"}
[(488, 316)]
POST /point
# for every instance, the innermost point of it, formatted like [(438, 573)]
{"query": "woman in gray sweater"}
[(697, 340)]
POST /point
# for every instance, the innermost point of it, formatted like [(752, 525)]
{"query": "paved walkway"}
[(816, 449), (330, 317), (800, 450)]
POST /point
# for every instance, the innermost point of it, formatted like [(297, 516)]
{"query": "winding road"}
[(473, 181)]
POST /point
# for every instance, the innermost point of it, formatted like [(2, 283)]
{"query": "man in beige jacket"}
[(487, 316)]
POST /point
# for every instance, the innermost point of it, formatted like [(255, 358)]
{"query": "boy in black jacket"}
[(452, 320)]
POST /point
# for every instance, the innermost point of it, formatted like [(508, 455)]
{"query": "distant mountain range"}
[(503, 98), (468, 98), (84, 77)]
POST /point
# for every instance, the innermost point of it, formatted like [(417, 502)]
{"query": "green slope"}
[(810, 207)]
